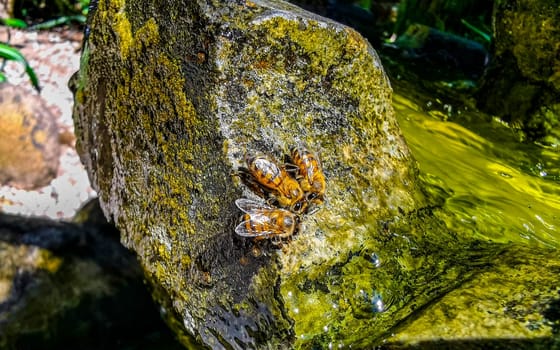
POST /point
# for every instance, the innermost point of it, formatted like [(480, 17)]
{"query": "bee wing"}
[(250, 206), (242, 230)]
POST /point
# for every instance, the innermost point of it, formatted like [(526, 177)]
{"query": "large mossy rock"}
[(171, 97)]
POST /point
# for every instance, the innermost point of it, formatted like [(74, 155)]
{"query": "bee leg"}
[(312, 209), (292, 169), (297, 228), (243, 174), (289, 165), (277, 242), (256, 250), (273, 202), (314, 202), (241, 171)]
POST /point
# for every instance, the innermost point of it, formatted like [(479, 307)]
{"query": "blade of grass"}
[(59, 21), (365, 4), (10, 53), (484, 35), (13, 23)]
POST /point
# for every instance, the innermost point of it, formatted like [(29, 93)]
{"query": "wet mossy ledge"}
[(169, 100)]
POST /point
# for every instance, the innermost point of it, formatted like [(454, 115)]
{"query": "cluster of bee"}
[(291, 189)]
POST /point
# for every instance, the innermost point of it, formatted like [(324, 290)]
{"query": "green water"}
[(496, 187)]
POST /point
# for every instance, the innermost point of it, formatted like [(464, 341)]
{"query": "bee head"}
[(299, 207)]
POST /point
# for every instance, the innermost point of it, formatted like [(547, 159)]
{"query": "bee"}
[(262, 221), (310, 174), (275, 180)]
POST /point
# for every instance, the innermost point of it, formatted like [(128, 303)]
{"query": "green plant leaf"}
[(365, 4), (59, 21), (13, 54), (487, 37), (84, 5), (13, 23)]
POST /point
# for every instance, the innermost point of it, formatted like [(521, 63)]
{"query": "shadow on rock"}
[(65, 285)]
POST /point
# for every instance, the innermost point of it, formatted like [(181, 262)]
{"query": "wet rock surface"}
[(239, 79), (510, 303)]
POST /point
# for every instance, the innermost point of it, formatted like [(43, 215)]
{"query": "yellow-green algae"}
[(365, 160), (505, 201), (502, 191), (363, 184), (18, 259), (163, 128), (490, 316)]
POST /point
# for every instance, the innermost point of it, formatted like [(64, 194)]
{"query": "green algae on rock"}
[(171, 97), (507, 305), (169, 101)]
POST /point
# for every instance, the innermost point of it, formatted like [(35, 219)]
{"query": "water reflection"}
[(374, 258), (497, 187)]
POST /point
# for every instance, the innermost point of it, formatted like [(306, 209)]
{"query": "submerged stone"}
[(510, 303)]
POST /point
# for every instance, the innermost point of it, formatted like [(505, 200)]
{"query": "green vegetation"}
[(8, 52), (50, 13), (81, 19), (13, 23), (78, 16), (63, 12)]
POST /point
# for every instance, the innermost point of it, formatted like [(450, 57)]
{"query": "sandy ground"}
[(54, 55)]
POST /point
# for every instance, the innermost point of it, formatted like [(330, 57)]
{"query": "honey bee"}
[(262, 221), (275, 180), (310, 174)]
